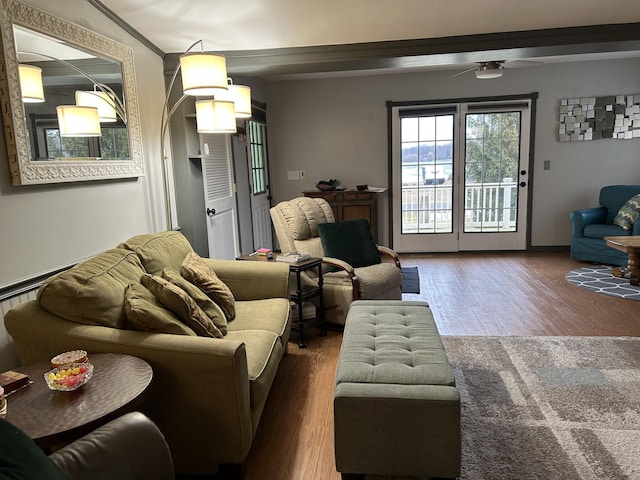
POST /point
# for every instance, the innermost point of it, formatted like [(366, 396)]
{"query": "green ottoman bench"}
[(396, 406)]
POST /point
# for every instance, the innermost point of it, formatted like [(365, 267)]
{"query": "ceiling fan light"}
[(203, 74), (489, 70)]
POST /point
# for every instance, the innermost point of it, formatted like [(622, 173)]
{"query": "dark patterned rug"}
[(599, 279), (552, 408)]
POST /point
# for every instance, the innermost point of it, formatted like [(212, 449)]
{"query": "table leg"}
[(301, 343), (323, 324), (634, 269)]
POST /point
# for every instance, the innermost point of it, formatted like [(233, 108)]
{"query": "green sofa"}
[(207, 394)]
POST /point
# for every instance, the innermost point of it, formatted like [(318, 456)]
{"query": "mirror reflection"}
[(73, 101)]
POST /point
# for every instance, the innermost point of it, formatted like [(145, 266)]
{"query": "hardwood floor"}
[(470, 294)]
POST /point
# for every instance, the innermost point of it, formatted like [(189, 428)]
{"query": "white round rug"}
[(600, 280)]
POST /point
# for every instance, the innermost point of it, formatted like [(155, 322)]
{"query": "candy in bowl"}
[(69, 377)]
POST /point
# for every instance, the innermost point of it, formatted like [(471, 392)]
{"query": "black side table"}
[(305, 294), (301, 294)]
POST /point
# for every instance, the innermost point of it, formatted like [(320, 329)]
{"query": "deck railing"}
[(487, 207)]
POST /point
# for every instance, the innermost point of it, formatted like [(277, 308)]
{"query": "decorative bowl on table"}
[(327, 185), (67, 358), (69, 377)]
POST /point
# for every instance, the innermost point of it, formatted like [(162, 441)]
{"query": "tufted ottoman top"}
[(392, 342)]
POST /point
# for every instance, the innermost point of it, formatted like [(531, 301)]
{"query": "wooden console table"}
[(630, 245), (350, 204)]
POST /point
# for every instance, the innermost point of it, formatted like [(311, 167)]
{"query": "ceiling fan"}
[(493, 69)]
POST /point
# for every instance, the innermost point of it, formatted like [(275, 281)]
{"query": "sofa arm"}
[(586, 216), (127, 448), (253, 280)]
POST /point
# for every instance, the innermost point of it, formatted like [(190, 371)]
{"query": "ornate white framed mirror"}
[(71, 58)]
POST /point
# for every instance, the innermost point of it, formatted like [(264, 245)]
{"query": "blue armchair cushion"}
[(628, 213), (601, 230)]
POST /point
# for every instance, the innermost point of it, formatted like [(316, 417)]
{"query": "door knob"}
[(523, 184), (211, 212)]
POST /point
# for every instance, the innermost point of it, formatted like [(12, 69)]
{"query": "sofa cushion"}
[(159, 250), (211, 308), (600, 231), (145, 313), (350, 241), (628, 213), (270, 314), (180, 303), (195, 270), (92, 292)]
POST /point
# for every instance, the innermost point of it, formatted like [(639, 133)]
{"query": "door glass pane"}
[(492, 154), (426, 173), (257, 151)]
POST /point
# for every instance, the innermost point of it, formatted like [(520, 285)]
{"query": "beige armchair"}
[(296, 225)]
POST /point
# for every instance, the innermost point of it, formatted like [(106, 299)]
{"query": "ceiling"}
[(280, 38)]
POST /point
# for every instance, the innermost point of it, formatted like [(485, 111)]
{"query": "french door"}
[(460, 174)]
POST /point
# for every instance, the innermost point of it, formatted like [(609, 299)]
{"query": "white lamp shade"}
[(31, 83), (203, 74), (103, 101), (241, 97), (215, 116), (75, 121)]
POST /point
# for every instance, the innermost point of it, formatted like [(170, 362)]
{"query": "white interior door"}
[(259, 180), (219, 193)]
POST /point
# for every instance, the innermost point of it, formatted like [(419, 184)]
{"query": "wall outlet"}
[(546, 165), (302, 175)]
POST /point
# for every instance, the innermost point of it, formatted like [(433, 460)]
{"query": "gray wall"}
[(46, 227), (50, 226), (337, 128)]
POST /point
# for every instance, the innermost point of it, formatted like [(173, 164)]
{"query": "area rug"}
[(599, 279), (410, 280), (552, 408)]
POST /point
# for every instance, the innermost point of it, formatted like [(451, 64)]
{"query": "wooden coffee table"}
[(54, 418), (631, 246)]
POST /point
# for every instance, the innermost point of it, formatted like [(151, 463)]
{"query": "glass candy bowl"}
[(70, 377)]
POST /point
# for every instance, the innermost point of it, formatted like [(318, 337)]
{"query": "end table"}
[(53, 418), (301, 294)]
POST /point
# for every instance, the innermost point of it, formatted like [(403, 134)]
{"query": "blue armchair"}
[(591, 225)]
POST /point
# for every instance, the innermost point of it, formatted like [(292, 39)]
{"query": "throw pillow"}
[(211, 308), (180, 303), (628, 213), (350, 241), (145, 313), (198, 272)]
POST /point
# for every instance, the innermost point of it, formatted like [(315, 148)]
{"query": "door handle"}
[(211, 212)]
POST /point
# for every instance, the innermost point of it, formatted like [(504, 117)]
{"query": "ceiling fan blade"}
[(462, 72)]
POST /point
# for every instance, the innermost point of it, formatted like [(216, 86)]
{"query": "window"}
[(112, 145), (258, 149)]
